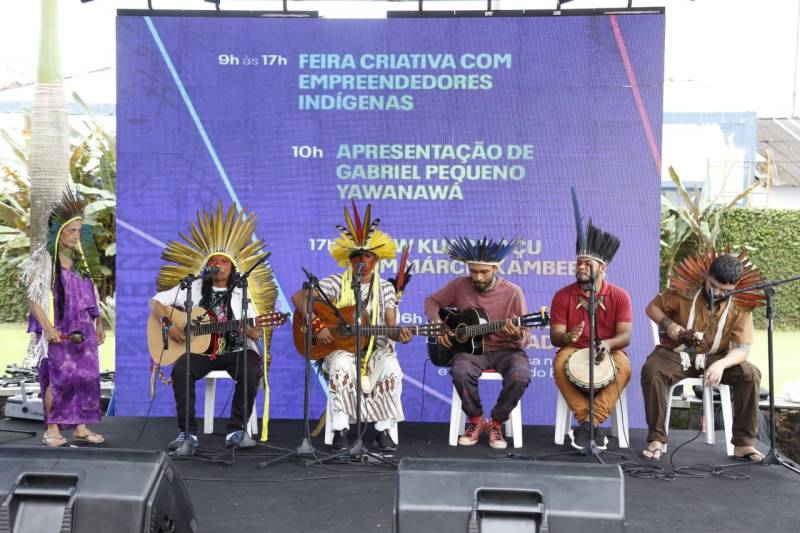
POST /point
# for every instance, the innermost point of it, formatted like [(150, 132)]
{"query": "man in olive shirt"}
[(726, 343)]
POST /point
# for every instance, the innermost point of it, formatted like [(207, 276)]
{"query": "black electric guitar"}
[(467, 329)]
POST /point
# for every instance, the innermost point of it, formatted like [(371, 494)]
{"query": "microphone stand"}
[(768, 287), (305, 447), (591, 449), (242, 280), (357, 451), (186, 449)]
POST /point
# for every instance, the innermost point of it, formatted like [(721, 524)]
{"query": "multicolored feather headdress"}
[(690, 275), (87, 258), (484, 252), (361, 236), (594, 242)]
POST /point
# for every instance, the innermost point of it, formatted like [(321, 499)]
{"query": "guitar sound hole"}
[(460, 333)]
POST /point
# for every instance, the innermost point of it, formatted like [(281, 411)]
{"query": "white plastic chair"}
[(708, 411), (458, 419), (329, 428), (619, 424), (211, 390)]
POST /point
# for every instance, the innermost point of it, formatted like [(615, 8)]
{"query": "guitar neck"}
[(389, 331), (220, 327), (490, 327)]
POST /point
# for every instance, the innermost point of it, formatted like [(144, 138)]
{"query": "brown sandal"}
[(89, 438), (54, 441)]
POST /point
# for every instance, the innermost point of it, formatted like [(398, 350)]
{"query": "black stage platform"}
[(360, 497)]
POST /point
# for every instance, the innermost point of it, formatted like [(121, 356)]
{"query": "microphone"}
[(359, 271), (311, 277), (165, 325), (208, 271), (710, 298), (75, 337)]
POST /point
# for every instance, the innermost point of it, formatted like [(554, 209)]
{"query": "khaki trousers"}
[(663, 369), (578, 399)]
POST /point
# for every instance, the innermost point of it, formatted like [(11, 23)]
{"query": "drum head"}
[(578, 370)]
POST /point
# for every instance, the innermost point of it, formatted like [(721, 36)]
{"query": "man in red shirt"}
[(569, 331), (503, 350)]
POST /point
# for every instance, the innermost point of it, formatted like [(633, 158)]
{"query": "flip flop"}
[(89, 438), (53, 441), (748, 457), (653, 452)]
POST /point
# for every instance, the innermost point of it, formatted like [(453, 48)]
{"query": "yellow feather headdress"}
[(230, 235), (361, 236)]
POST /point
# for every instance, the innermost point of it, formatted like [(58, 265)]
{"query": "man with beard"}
[(721, 357), (569, 331), (500, 299)]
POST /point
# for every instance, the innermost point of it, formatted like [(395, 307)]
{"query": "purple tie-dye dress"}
[(72, 370)]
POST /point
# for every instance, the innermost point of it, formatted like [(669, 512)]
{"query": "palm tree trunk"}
[(48, 163), (49, 145)]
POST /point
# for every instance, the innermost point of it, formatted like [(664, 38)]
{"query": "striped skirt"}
[(385, 375)]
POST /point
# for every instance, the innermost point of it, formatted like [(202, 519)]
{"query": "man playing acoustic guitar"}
[(504, 351), (359, 248), (226, 244)]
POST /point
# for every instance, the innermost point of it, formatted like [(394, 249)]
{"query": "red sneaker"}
[(494, 429), (475, 426)]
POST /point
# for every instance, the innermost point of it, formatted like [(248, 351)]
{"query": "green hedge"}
[(774, 236), (13, 302)]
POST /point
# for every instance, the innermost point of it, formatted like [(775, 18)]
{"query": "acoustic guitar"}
[(206, 335), (468, 328), (343, 332)]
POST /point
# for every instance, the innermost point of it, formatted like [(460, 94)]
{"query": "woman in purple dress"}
[(66, 321)]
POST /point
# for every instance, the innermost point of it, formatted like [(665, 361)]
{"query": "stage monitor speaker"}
[(508, 496), (90, 491)]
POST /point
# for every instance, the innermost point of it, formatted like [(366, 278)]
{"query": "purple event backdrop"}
[(585, 92)]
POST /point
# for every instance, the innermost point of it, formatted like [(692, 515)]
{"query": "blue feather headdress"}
[(594, 242), (485, 252)]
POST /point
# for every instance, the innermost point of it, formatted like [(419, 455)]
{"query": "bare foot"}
[(653, 451), (748, 453)]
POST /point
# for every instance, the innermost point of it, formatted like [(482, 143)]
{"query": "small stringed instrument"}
[(206, 335), (468, 328), (343, 332)]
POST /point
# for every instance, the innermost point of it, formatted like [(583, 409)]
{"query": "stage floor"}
[(290, 496)]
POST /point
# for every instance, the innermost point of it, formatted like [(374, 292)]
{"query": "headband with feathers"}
[(361, 236), (87, 258), (230, 235), (690, 275), (485, 252), (594, 242)]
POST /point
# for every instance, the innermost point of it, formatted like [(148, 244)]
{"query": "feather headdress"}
[(403, 274), (230, 235), (87, 258), (361, 236), (690, 275), (594, 242), (485, 252)]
